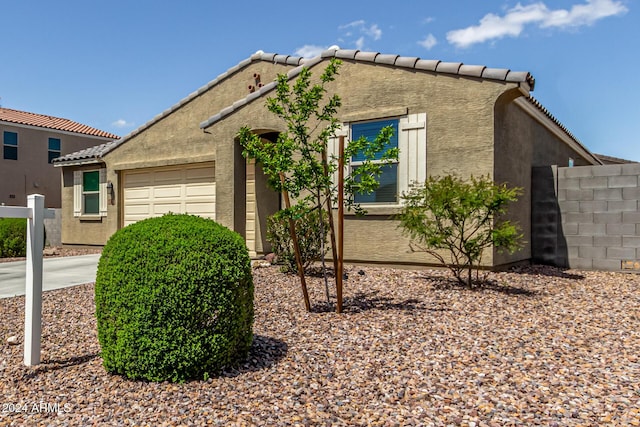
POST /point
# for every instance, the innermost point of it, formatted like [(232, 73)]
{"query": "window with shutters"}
[(410, 136), (90, 193)]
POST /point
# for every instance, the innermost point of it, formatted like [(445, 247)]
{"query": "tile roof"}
[(409, 62), (436, 66), (49, 122)]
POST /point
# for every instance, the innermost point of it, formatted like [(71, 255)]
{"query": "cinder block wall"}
[(599, 217), (53, 228)]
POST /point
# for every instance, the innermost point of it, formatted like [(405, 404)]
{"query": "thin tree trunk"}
[(322, 258), (296, 247), (332, 229), (340, 224)]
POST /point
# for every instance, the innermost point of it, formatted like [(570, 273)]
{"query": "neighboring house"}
[(449, 118), (30, 142)]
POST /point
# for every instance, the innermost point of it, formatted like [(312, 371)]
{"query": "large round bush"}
[(174, 299)]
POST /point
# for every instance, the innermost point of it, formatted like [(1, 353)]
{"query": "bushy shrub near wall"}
[(13, 237), (174, 299), (309, 236)]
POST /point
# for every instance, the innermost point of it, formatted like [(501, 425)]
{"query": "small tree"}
[(298, 164), (460, 219)]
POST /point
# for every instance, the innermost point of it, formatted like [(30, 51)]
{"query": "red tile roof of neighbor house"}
[(50, 122)]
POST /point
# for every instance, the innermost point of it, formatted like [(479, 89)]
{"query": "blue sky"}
[(116, 64)]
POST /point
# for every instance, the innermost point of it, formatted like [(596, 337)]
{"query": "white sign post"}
[(35, 214)]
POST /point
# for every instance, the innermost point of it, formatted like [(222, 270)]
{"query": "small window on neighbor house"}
[(91, 193), (54, 149), (10, 146), (388, 190)]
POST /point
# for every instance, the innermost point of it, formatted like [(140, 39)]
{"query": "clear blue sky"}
[(116, 64)]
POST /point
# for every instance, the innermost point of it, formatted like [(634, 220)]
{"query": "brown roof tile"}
[(50, 122)]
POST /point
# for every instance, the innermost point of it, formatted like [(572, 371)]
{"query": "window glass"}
[(92, 203), (54, 149), (388, 190), (370, 131), (10, 149), (10, 138), (91, 181)]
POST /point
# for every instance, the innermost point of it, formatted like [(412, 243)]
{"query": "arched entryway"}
[(261, 202)]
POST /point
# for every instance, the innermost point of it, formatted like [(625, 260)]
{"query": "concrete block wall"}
[(53, 228), (548, 245), (599, 218)]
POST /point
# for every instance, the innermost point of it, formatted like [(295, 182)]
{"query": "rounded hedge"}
[(174, 299)]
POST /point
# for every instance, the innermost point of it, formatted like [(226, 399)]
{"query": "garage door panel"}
[(197, 190), (137, 180), (176, 190), (160, 177), (138, 193), (165, 208), (200, 208), (167, 191), (199, 174)]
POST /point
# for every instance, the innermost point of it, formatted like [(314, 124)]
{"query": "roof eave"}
[(77, 162)]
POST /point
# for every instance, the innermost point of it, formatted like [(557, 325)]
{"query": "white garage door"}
[(180, 189)]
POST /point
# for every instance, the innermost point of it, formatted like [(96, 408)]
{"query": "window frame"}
[(11, 146), (51, 151), (395, 121), (90, 192)]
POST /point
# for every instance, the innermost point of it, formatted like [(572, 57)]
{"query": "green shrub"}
[(174, 299), (456, 220), (308, 234), (13, 237)]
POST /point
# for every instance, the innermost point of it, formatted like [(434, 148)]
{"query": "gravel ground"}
[(538, 346)]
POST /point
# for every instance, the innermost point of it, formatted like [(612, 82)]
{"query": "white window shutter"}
[(412, 143), (103, 192), (332, 149), (77, 193)]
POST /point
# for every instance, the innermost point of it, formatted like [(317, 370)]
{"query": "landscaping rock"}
[(537, 346)]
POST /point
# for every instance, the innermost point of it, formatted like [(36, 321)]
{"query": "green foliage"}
[(174, 299), (13, 237), (460, 218), (308, 232)]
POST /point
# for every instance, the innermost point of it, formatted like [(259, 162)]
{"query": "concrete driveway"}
[(57, 273)]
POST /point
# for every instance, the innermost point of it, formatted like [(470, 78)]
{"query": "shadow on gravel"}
[(265, 352), (362, 301), (443, 283), (545, 270), (54, 364)]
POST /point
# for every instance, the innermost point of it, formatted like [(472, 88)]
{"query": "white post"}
[(33, 285)]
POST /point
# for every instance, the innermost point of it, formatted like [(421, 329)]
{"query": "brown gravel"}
[(537, 347)]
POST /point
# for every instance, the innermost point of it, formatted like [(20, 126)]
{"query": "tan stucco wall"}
[(459, 139), (522, 143), (32, 173), (461, 126), (92, 230)]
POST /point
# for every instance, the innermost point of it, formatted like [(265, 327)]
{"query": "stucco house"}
[(30, 143), (449, 117)]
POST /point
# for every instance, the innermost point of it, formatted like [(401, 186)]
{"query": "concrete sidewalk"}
[(57, 273)]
